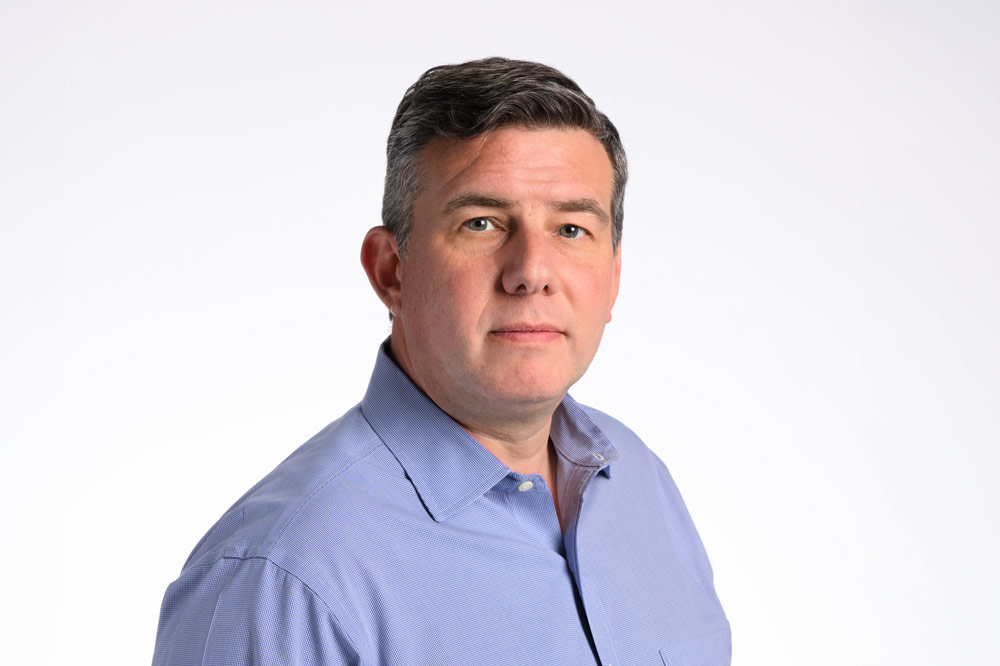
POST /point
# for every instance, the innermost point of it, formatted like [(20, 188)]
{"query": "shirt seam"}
[(215, 611), (288, 523), (607, 625), (267, 560)]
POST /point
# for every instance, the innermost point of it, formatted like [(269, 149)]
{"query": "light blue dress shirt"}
[(393, 537)]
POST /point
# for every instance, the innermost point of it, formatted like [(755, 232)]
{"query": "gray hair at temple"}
[(459, 102)]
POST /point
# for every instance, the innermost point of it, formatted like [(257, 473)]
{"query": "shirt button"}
[(599, 457), (526, 485)]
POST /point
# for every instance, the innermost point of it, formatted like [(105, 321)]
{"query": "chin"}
[(528, 390)]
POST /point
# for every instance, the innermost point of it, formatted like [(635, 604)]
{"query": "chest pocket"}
[(711, 649)]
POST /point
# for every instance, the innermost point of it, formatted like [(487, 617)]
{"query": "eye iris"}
[(478, 224), (570, 231)]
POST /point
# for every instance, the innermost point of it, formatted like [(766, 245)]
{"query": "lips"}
[(526, 327), (527, 332)]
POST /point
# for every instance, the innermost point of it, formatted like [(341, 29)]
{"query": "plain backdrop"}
[(806, 334)]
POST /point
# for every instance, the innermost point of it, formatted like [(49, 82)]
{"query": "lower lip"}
[(528, 336)]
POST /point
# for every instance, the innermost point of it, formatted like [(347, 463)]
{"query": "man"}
[(468, 511)]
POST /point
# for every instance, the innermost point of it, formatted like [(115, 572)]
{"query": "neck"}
[(524, 449), (532, 455)]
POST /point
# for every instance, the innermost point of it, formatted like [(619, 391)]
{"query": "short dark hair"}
[(459, 102)]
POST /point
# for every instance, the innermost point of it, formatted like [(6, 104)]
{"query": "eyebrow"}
[(582, 206), (564, 206), (478, 201)]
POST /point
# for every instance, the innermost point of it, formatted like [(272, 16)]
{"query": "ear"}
[(380, 258), (615, 279)]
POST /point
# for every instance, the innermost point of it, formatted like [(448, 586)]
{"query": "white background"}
[(807, 330)]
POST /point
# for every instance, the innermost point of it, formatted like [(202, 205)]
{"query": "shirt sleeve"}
[(247, 612)]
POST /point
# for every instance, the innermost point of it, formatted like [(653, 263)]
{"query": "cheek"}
[(464, 290), (593, 301), (448, 299), (596, 293)]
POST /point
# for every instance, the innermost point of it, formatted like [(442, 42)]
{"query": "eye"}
[(479, 224), (571, 231)]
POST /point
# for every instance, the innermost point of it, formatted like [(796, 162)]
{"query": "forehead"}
[(543, 163)]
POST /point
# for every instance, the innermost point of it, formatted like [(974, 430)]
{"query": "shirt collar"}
[(578, 439), (448, 468)]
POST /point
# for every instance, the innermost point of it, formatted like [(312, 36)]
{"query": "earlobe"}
[(380, 259)]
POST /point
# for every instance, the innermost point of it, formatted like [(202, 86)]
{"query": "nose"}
[(528, 264)]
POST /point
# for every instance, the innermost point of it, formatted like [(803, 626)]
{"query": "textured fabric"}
[(393, 537)]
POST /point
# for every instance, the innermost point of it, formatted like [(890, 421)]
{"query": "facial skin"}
[(509, 276)]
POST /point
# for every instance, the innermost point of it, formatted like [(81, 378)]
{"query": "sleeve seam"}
[(287, 523), (268, 561)]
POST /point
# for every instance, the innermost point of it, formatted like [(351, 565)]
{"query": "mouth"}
[(527, 332)]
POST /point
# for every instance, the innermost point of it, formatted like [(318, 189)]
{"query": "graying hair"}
[(463, 101)]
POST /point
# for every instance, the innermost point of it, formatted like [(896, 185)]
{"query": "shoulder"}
[(256, 525), (237, 612), (272, 555), (648, 483)]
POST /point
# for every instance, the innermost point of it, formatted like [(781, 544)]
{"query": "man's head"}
[(506, 210), (467, 100)]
